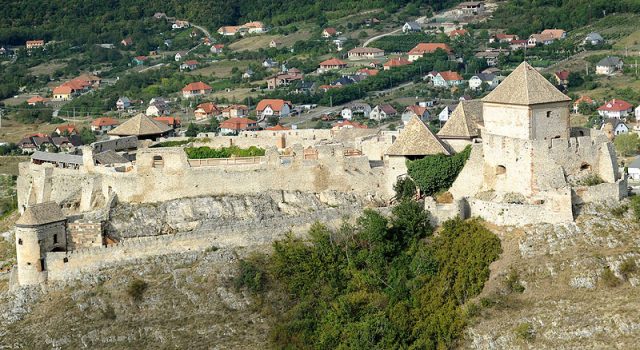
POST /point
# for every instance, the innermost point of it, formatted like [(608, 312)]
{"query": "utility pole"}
[(1, 113)]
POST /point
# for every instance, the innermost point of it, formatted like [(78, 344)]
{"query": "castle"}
[(527, 166)]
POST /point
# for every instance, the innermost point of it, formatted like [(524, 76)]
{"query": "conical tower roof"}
[(40, 214), (525, 86), (140, 125), (463, 122), (416, 140)]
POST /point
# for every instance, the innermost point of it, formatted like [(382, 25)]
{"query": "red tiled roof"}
[(197, 86), (333, 62), (238, 124), (347, 124), (191, 62), (168, 120), (275, 104), (450, 75), (67, 127), (330, 31), (238, 107), (397, 62), (208, 107), (423, 48), (419, 111), (278, 128), (104, 121), (563, 74), (585, 99), (457, 32), (368, 71), (37, 99), (615, 106)]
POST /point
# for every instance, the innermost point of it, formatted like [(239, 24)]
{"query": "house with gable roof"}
[(273, 107)]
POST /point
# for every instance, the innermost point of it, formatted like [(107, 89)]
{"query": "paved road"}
[(370, 40), (203, 29)]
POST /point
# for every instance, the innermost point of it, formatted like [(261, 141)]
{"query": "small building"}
[(580, 100), (180, 55), (36, 100), (332, 64), (369, 72), (424, 48), (234, 111), (196, 89), (490, 81), (458, 33), (445, 113), (274, 44), (503, 38), (189, 65), (278, 127), (395, 62), (34, 44), (103, 124), (66, 129), (381, 112), (255, 27), (217, 49), (615, 108), (593, 38), (233, 126), (273, 107), (206, 110), (329, 32), (143, 127), (411, 27), (280, 80), (562, 77), (447, 79), (172, 122), (415, 111), (634, 169), (609, 65), (347, 124), (361, 53), (229, 30), (269, 63), (613, 127), (470, 8), (123, 103), (126, 42), (140, 60), (180, 24)]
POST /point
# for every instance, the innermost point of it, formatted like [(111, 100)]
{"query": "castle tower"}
[(40, 229), (523, 109)]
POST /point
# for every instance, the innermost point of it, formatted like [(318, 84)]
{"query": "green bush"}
[(224, 152), (620, 210), (635, 206), (251, 276), (405, 188), (609, 279), (512, 282), (627, 268), (524, 331), (437, 173), (590, 180), (136, 289), (377, 284)]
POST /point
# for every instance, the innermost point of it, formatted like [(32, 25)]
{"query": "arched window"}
[(500, 170)]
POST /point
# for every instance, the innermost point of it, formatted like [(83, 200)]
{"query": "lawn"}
[(253, 43), (9, 165), (222, 69), (13, 131)]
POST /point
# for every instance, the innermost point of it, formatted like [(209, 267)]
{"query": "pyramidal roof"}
[(463, 122), (140, 125), (40, 214), (525, 86), (416, 140)]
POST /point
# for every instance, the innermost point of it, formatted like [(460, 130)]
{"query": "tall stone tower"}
[(523, 109), (40, 229)]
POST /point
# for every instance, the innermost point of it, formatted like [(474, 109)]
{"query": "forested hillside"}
[(83, 21), (524, 17)]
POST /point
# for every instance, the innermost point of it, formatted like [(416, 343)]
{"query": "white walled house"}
[(346, 113), (475, 82), (634, 169), (615, 109)]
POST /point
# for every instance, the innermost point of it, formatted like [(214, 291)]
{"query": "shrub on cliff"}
[(378, 284), (437, 173)]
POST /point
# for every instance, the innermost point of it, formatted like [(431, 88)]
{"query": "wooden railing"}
[(225, 161)]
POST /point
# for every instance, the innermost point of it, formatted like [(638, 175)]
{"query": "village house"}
[(234, 111), (582, 99), (347, 124), (255, 27), (329, 32), (196, 89), (518, 44), (248, 74), (613, 127), (395, 62), (274, 44), (180, 24), (420, 112), (273, 107), (360, 53), (491, 57), (609, 65), (278, 127), (139, 60), (491, 81), (66, 129), (284, 79), (447, 79), (331, 64), (36, 100), (503, 38), (356, 109), (634, 169), (381, 112), (269, 63), (424, 48), (217, 49), (180, 55), (562, 77), (304, 86), (123, 103), (228, 30), (470, 8), (67, 91), (189, 65), (157, 107), (615, 108), (233, 126), (458, 33), (593, 38), (126, 42), (410, 27), (445, 113), (369, 72), (546, 37), (34, 44), (103, 124), (172, 122), (206, 110)]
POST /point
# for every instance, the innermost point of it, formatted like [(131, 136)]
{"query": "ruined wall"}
[(507, 164), (84, 234), (441, 212), (603, 193), (469, 181)]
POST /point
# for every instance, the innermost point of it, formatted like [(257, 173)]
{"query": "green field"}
[(9, 165)]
